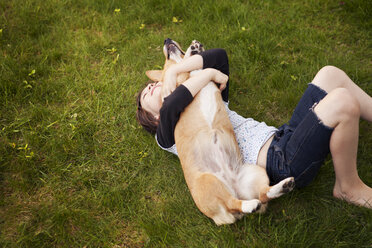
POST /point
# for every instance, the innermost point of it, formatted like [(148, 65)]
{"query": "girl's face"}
[(151, 98)]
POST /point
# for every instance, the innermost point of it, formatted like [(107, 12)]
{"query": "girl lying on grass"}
[(325, 120)]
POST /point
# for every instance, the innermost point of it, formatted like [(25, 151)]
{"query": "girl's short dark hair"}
[(145, 118)]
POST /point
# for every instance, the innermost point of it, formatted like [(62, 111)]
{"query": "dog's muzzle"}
[(172, 47)]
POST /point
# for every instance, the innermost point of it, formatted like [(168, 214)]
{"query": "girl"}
[(325, 120)]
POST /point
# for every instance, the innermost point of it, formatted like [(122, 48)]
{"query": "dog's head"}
[(173, 54)]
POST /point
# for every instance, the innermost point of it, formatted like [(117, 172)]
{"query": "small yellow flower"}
[(116, 59), (72, 126), (27, 85), (24, 148), (284, 214), (294, 77), (284, 62), (117, 10), (142, 155), (32, 72), (142, 26), (175, 20), (30, 156), (243, 29), (112, 50)]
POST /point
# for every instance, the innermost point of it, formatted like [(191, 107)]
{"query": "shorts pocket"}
[(281, 169), (308, 175)]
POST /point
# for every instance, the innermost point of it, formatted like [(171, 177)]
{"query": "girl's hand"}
[(169, 83), (220, 78)]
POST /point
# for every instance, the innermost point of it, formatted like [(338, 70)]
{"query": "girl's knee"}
[(338, 106), (345, 102), (330, 77), (331, 72)]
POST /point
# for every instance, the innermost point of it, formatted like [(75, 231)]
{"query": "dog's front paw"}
[(195, 48)]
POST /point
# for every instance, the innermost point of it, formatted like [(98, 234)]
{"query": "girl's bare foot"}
[(360, 194)]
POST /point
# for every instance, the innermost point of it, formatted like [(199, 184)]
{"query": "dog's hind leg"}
[(281, 188), (278, 189), (215, 201)]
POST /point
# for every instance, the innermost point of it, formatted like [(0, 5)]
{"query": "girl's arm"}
[(170, 78), (213, 58), (217, 58), (190, 64), (195, 83)]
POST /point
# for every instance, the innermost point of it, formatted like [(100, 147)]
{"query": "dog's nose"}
[(167, 41)]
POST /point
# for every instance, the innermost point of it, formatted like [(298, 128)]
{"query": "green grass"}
[(76, 170)]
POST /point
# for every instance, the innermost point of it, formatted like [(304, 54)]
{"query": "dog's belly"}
[(215, 154), (216, 150), (205, 138), (208, 103)]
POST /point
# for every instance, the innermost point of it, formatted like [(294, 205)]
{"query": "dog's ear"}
[(154, 75)]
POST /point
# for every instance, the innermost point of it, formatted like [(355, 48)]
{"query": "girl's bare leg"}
[(341, 111), (329, 78)]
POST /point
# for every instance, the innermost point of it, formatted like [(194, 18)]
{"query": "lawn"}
[(76, 170)]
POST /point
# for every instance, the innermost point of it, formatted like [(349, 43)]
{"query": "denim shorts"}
[(300, 147)]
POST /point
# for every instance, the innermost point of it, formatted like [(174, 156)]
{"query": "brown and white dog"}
[(222, 187)]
